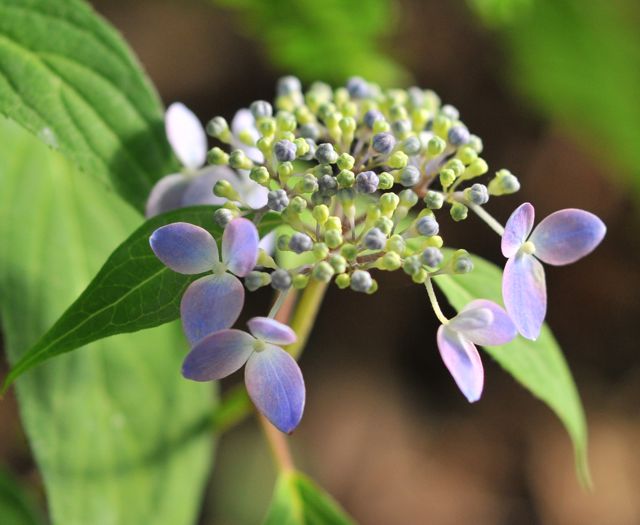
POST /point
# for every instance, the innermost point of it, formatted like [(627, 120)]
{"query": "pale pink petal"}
[(240, 246), (166, 195), (210, 304), (271, 331), (184, 247), (463, 361), (275, 384), (499, 331), (517, 229), (567, 235), (525, 294), (200, 189), (243, 121), (186, 135), (218, 355)]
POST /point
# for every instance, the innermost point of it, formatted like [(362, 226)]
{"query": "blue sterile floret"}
[(284, 150), (361, 281), (280, 279), (427, 226), (383, 143), (358, 87), (458, 135), (367, 182), (371, 117), (375, 239), (326, 154), (432, 257), (300, 242), (277, 200)]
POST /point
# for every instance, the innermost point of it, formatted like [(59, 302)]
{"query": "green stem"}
[(434, 302), (484, 215)]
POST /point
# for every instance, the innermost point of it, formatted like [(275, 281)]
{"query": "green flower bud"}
[(345, 161), (333, 223), (373, 288), (255, 280), (246, 137), (323, 272), (297, 204), (338, 263), (434, 200), (285, 121), (264, 145), (390, 261), (308, 184), (349, 251), (320, 251), (436, 146), (304, 116), (300, 281), (441, 126), (398, 160), (461, 262), (302, 147), (398, 112), (266, 127), (385, 181), (343, 281), (218, 128), (420, 276), (380, 126), (385, 225), (217, 157), (346, 178), (333, 238), (466, 155), (396, 244), (223, 189), (458, 211), (408, 198), (504, 183), (412, 264), (239, 161), (283, 242), (447, 178), (388, 203), (348, 125), (476, 168), (285, 170), (260, 174), (456, 166), (475, 142)]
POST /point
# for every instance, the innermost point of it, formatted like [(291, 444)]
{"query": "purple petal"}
[(186, 135), (210, 304), (185, 248), (499, 331), (271, 331), (469, 319), (200, 189), (463, 361), (166, 195), (240, 246), (567, 235), (275, 384), (525, 294), (218, 355), (517, 229)]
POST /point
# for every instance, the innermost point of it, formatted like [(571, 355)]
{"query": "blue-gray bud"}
[(462, 264), (311, 154), (450, 111), (254, 280), (280, 279), (432, 257), (409, 176), (411, 145), (375, 239), (367, 182), (400, 127), (478, 194), (300, 243), (328, 185), (261, 109), (223, 216), (427, 226), (416, 96), (277, 200), (383, 143), (284, 150), (371, 116), (287, 85), (325, 154), (358, 87), (361, 281), (309, 131), (458, 135)]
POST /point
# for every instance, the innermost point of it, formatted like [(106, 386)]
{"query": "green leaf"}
[(69, 78), (132, 291), (538, 365), (118, 435), (298, 501), (329, 40), (16, 505)]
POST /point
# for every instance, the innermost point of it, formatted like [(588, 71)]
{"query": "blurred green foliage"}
[(16, 505), (578, 62), (329, 40)]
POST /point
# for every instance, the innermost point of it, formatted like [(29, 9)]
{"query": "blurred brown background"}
[(386, 431)]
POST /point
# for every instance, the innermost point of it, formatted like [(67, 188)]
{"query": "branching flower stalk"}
[(359, 176)]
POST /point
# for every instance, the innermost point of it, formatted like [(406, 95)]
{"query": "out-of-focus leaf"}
[(298, 501), (16, 506), (538, 365), (579, 62), (119, 437), (132, 291), (329, 40), (69, 78)]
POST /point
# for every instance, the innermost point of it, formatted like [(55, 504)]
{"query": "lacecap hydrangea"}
[(360, 175)]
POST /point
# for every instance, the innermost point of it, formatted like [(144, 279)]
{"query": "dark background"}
[(386, 431)]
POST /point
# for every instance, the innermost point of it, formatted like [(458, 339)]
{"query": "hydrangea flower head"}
[(273, 378), (212, 302), (483, 323), (561, 238)]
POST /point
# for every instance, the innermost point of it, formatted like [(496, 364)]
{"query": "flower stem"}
[(305, 314), (482, 213), (278, 445), (434, 302), (279, 303)]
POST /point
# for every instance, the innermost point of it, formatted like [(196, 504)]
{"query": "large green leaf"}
[(132, 291), (16, 505), (119, 437), (68, 77), (537, 365), (298, 501)]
